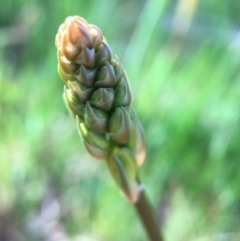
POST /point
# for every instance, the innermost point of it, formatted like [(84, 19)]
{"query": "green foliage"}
[(185, 83)]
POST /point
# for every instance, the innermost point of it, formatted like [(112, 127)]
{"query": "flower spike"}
[(98, 95)]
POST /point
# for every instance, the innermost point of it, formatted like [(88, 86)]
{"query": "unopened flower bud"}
[(118, 70), (72, 102), (123, 168), (103, 54), (107, 77), (78, 32), (95, 119), (136, 141), (68, 49), (80, 91), (85, 76), (103, 98), (64, 76), (97, 145), (96, 36), (122, 94), (119, 126), (67, 66), (86, 58)]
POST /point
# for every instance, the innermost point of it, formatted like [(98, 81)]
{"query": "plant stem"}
[(148, 219)]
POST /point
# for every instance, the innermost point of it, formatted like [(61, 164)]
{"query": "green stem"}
[(148, 219)]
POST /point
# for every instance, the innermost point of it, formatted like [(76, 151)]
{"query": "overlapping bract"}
[(98, 95)]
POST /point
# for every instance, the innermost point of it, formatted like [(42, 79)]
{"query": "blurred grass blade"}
[(142, 35)]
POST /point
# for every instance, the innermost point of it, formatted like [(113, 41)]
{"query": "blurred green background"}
[(182, 58)]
